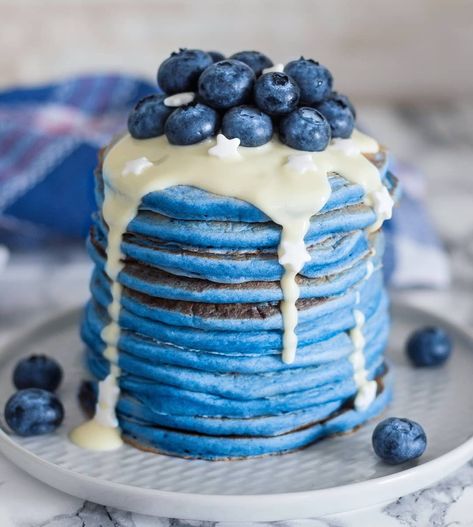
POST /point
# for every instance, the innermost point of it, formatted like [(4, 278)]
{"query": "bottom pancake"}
[(193, 445)]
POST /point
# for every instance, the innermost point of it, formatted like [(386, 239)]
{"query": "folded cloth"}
[(49, 137), (415, 256)]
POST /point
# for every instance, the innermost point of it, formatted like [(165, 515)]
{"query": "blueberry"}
[(338, 114), (254, 59), (216, 56), (429, 346), (180, 72), (276, 93), (226, 83), (249, 124), (345, 100), (37, 371), (88, 397), (33, 412), (314, 80), (191, 124), (305, 129), (148, 117), (398, 440)]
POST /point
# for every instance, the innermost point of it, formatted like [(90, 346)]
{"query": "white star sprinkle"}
[(225, 148), (301, 163), (136, 167), (347, 146), (179, 99), (383, 204), (277, 68)]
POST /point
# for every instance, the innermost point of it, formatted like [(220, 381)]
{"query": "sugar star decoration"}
[(382, 203), (136, 167), (278, 68), (301, 163), (179, 99), (225, 148), (347, 146)]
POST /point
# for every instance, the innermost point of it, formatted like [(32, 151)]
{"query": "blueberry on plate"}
[(429, 346), (256, 60), (339, 116), (216, 56), (88, 397), (276, 93), (148, 117), (305, 129), (191, 124), (398, 440), (226, 83), (37, 371), (180, 72), (314, 80), (33, 412), (249, 124)]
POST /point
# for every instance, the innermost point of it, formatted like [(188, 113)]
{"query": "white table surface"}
[(41, 283)]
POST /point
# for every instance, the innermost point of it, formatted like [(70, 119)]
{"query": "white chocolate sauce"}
[(179, 99), (366, 388), (382, 203), (260, 176), (277, 68), (369, 269)]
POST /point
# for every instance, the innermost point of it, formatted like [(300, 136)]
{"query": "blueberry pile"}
[(35, 409), (233, 96)]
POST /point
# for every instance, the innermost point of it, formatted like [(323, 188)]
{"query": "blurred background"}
[(377, 51), (406, 66)]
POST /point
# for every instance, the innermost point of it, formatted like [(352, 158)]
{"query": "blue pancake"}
[(243, 386), (151, 280), (201, 328), (237, 267), (213, 340), (185, 444), (150, 350), (189, 203), (229, 316), (152, 377), (219, 439), (245, 236)]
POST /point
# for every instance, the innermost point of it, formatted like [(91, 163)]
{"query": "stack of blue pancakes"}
[(200, 349)]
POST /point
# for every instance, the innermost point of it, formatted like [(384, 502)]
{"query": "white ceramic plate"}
[(335, 475)]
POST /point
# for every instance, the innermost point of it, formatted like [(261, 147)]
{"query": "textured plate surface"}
[(334, 475)]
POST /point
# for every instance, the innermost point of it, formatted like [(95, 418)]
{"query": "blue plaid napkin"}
[(49, 137)]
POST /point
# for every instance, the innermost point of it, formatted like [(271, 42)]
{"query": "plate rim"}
[(227, 507)]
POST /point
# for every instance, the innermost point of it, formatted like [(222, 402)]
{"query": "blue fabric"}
[(49, 138)]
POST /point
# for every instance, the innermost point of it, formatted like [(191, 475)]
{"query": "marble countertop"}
[(38, 284)]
